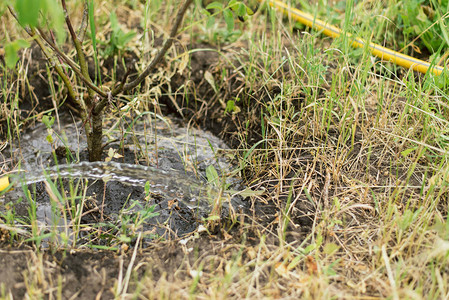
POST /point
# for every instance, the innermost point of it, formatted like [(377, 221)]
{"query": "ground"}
[(342, 158)]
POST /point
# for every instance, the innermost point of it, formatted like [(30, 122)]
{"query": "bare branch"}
[(84, 22), (68, 22), (72, 65), (159, 55), (60, 72), (79, 51)]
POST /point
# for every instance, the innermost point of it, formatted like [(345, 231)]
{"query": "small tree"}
[(36, 15), (42, 18)]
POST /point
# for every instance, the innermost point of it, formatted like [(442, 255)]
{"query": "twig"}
[(53, 46), (54, 41), (122, 83), (160, 54), (80, 53), (124, 288), (125, 77), (58, 69), (394, 291), (73, 65), (325, 194), (84, 22), (68, 22)]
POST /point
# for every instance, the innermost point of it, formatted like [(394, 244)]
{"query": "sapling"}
[(48, 23), (41, 19)]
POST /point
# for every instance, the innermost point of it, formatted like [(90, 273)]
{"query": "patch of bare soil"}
[(86, 274)]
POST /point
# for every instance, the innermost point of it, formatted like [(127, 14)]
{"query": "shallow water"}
[(170, 183), (171, 158)]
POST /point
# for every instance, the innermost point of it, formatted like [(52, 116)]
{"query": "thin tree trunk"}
[(94, 137)]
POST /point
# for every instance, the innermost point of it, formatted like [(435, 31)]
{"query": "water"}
[(167, 183), (193, 197), (180, 156)]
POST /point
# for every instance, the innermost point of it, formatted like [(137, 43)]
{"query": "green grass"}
[(350, 152)]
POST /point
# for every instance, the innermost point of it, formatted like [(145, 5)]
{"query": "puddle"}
[(171, 183), (172, 162)]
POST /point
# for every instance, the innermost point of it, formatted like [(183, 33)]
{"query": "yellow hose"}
[(377, 50), (4, 183)]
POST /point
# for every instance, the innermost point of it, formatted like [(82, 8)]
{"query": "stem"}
[(84, 21), (94, 137), (79, 49), (59, 70), (73, 65), (160, 54)]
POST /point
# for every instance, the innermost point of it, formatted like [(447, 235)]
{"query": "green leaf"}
[(28, 11), (212, 218), (124, 38), (230, 104), (234, 4), (406, 152), (329, 271), (210, 22), (407, 218), (118, 39), (249, 192), (212, 175), (294, 262), (241, 11), (309, 248), (215, 5), (55, 15), (11, 50), (114, 22), (39, 238), (92, 26), (204, 12), (49, 138), (21, 43), (93, 36), (421, 16), (249, 11), (124, 239), (48, 121), (101, 247), (229, 19), (147, 188)]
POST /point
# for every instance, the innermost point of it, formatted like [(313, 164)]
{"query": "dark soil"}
[(93, 274)]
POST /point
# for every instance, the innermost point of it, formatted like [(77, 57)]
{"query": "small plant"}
[(426, 20), (118, 39), (133, 218), (41, 19), (230, 11)]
